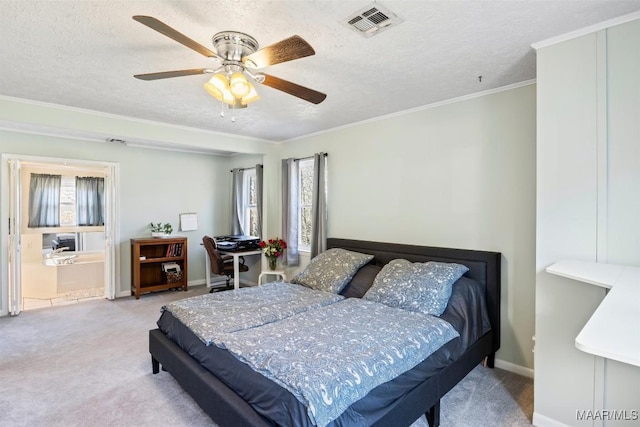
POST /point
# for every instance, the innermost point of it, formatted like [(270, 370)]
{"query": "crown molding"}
[(416, 109), (587, 30)]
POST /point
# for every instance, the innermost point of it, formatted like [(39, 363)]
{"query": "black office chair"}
[(221, 265)]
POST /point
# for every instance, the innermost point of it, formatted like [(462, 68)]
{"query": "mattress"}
[(466, 312)]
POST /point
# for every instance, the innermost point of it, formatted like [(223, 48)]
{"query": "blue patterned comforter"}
[(331, 356), (211, 316)]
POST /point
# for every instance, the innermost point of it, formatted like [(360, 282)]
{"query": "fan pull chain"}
[(233, 117)]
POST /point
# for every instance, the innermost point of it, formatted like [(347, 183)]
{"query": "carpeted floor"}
[(88, 364)]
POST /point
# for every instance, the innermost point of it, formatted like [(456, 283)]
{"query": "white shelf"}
[(613, 331)]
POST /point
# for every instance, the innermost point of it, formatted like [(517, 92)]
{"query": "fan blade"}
[(301, 92), (163, 28), (169, 74), (285, 50)]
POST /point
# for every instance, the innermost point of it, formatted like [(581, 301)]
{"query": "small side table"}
[(272, 272)]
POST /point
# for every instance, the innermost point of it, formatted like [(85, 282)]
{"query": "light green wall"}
[(460, 175), (155, 185), (84, 122)]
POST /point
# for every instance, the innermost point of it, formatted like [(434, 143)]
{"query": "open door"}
[(11, 217), (14, 247), (111, 264)]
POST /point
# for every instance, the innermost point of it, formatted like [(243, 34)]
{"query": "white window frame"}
[(248, 207), (303, 163), (69, 182)]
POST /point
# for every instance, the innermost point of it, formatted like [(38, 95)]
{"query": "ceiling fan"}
[(238, 55)]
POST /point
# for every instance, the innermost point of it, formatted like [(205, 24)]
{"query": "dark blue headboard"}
[(484, 266)]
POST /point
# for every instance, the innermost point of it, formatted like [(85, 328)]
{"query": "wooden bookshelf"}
[(148, 255)]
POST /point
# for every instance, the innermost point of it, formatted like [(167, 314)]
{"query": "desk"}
[(236, 263), (612, 331)]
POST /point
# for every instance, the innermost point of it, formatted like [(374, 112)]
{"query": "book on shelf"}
[(174, 250)]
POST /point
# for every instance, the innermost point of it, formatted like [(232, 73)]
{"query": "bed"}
[(212, 375)]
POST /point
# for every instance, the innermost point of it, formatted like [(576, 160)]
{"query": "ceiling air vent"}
[(371, 20)]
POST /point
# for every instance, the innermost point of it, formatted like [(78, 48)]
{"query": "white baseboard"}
[(542, 421), (191, 283), (516, 369), (127, 293), (123, 294)]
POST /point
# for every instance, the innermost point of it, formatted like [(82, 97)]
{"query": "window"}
[(304, 206), (250, 204), (65, 201), (305, 196), (246, 201), (68, 201)]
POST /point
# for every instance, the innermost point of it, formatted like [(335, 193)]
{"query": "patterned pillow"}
[(331, 270), (423, 287)]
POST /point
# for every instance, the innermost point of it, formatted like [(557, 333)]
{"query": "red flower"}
[(273, 247)]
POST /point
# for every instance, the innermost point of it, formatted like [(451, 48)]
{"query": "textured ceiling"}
[(84, 54)]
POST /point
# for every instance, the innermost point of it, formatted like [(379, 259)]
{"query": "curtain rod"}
[(295, 160), (308, 157), (244, 169)]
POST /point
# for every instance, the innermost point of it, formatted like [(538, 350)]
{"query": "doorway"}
[(49, 266)]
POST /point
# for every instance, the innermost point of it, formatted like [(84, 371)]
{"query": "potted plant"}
[(273, 249), (159, 229)]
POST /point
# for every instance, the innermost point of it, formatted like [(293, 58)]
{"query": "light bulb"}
[(213, 91), (239, 85), (218, 87), (251, 96), (220, 82)]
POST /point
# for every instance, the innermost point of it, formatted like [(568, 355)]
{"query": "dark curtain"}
[(319, 205), (89, 201), (290, 210), (44, 200)]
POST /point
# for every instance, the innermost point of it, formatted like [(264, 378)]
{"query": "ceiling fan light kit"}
[(237, 92), (238, 52)]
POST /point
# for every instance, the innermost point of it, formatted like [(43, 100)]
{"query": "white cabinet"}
[(588, 209)]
